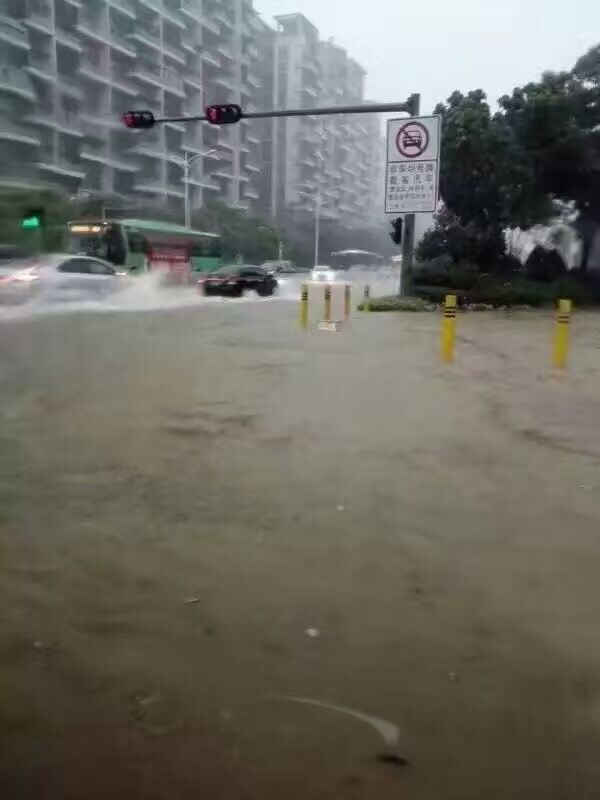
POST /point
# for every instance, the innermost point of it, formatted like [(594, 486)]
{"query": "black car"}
[(235, 279)]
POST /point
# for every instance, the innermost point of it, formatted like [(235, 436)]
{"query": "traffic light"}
[(412, 104), (138, 119), (223, 115), (397, 232), (32, 219)]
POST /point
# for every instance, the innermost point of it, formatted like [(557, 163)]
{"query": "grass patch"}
[(394, 303), (518, 292)]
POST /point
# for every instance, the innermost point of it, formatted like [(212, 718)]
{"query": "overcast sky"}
[(437, 46)]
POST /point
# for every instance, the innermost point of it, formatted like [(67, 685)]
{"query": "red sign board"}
[(175, 258)]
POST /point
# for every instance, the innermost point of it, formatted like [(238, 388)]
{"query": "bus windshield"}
[(88, 239)]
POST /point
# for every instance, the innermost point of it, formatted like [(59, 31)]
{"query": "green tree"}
[(486, 182), (243, 235), (556, 123)]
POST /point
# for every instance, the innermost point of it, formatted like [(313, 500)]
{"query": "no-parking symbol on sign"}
[(413, 165)]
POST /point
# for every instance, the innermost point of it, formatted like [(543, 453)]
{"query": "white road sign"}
[(412, 173)]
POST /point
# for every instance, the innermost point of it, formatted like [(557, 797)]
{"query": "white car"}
[(326, 274), (58, 276)]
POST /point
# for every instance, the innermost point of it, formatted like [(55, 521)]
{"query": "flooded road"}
[(206, 512)]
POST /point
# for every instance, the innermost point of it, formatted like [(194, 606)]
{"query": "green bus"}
[(132, 243)]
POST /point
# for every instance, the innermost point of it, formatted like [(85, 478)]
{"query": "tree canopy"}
[(243, 235), (506, 169)]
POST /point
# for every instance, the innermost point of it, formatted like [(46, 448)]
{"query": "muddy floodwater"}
[(206, 512)]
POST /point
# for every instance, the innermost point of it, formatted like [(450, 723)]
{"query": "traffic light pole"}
[(408, 236), (372, 108)]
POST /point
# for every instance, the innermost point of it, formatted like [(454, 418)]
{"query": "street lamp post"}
[(187, 163)]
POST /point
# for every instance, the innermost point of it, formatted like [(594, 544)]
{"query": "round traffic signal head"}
[(224, 114), (138, 119)]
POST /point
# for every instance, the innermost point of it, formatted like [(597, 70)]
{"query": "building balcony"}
[(149, 151), (174, 17), (194, 82), (209, 25), (251, 193), (147, 38), (69, 40), (189, 8), (15, 132), (68, 124), (169, 14), (120, 81), (41, 66), (173, 191), (60, 166), (13, 33), (226, 21), (190, 46), (94, 72), (193, 148), (171, 51), (102, 122), (211, 59), (176, 126), (221, 173), (40, 22), (253, 168), (224, 50), (93, 153), (253, 80), (119, 162), (93, 27), (125, 7), (15, 81), (159, 77), (149, 186), (174, 85), (121, 44), (70, 86), (202, 182), (223, 80)]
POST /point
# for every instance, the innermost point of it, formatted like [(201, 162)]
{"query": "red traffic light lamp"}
[(223, 114), (138, 119)]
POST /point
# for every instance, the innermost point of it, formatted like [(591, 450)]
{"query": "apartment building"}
[(337, 157), (68, 70)]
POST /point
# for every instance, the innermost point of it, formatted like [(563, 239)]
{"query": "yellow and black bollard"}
[(448, 329), (303, 316), (347, 300), (561, 335), (367, 298), (327, 304)]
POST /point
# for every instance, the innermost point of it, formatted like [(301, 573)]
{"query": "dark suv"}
[(235, 279)]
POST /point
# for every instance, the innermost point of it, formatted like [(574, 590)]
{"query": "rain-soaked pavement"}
[(209, 518)]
